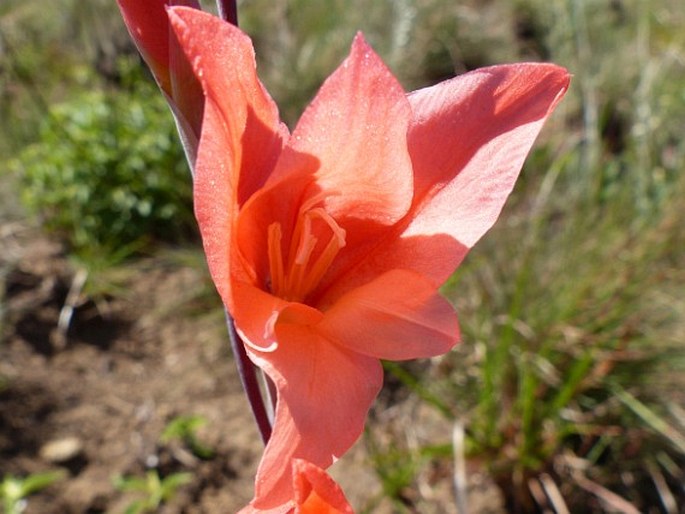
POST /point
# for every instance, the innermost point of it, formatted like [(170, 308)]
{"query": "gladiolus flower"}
[(313, 492), (148, 24), (316, 492), (328, 245)]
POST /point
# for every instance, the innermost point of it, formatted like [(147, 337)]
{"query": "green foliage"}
[(567, 320), (108, 174), (155, 490), (14, 490), (185, 428), (397, 466), (300, 42), (48, 49)]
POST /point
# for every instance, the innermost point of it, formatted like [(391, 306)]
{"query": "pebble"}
[(61, 450)]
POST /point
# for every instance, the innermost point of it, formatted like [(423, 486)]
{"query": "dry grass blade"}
[(665, 494), (668, 464), (553, 494), (460, 481), (70, 304), (610, 498), (678, 414), (539, 495)]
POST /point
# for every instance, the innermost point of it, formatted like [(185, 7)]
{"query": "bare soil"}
[(103, 394)]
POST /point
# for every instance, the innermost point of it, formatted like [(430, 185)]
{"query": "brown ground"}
[(127, 368)]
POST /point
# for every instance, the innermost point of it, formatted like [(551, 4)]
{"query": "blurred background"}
[(117, 389)]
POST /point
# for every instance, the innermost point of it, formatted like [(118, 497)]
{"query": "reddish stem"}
[(228, 11), (248, 378)]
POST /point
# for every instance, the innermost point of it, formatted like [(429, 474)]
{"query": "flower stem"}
[(228, 11), (248, 378)]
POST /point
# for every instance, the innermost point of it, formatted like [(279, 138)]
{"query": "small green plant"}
[(184, 429), (108, 174), (397, 464), (14, 490), (156, 490)]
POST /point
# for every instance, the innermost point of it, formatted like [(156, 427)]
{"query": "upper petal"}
[(468, 139), (241, 135), (348, 155), (245, 115), (356, 128), (397, 316), (324, 393)]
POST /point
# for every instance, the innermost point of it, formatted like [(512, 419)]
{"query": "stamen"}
[(298, 269), (302, 276), (275, 234), (337, 241), (307, 242)]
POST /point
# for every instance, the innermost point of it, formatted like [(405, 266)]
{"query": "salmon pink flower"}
[(148, 24), (328, 245), (316, 492), (313, 492)]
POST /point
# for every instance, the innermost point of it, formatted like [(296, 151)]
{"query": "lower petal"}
[(324, 394), (255, 313), (400, 315)]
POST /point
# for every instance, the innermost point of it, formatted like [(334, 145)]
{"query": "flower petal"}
[(149, 27), (316, 492), (241, 136), (286, 508), (356, 128), (223, 59), (397, 316), (324, 394), (255, 314), (468, 139), (348, 154)]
